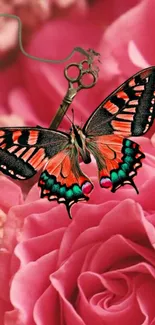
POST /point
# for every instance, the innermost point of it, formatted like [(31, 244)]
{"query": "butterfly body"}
[(128, 111), (79, 140)]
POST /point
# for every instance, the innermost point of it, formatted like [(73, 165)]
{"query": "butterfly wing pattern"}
[(24, 151), (63, 180), (128, 111), (117, 159)]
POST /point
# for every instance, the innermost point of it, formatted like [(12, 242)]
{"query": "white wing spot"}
[(20, 177), (61, 200), (3, 166), (53, 197), (11, 172)]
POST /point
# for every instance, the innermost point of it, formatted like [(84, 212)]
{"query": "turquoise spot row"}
[(60, 190), (121, 174)]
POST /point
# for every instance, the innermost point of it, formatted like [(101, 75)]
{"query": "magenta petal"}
[(28, 282)]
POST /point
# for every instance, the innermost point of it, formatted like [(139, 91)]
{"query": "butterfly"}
[(128, 111)]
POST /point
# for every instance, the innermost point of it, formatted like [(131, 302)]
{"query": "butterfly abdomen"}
[(78, 138)]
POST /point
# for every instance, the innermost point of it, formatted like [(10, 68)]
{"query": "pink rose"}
[(97, 268), (7, 190)]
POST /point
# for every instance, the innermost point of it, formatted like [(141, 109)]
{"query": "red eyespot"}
[(105, 182), (87, 188)]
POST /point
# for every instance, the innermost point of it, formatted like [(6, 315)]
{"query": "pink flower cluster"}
[(98, 268)]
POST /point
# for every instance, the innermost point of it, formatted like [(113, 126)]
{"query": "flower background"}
[(99, 267)]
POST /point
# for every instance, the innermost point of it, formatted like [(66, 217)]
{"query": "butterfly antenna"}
[(81, 123), (72, 116), (68, 118), (65, 114)]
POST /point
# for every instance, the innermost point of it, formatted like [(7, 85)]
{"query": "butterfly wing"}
[(118, 159), (24, 151), (129, 110), (63, 180)]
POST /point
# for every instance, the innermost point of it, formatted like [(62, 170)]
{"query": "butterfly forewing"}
[(129, 110), (24, 151)]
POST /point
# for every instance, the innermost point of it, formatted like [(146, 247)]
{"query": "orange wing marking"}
[(130, 110), (139, 88), (27, 154), (16, 135), (132, 83), (122, 94), (42, 164), (1, 140), (37, 158), (121, 126), (110, 148), (138, 94), (61, 167), (128, 117), (3, 146), (133, 102), (33, 137), (19, 152), (112, 108), (12, 149)]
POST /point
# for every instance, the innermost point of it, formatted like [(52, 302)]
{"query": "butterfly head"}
[(78, 140)]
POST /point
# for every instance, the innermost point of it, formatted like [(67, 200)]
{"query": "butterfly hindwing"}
[(118, 159), (127, 169), (63, 180), (24, 151), (129, 110)]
